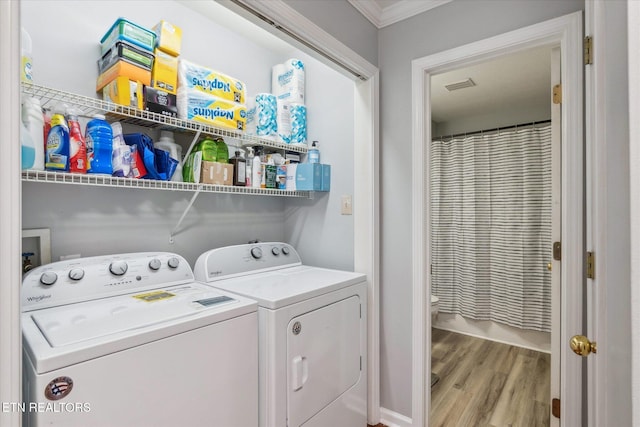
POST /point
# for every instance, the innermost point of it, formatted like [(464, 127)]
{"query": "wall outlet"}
[(346, 207)]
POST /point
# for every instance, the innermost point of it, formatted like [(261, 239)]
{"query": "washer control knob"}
[(118, 267), (275, 251), (155, 264), (76, 274), (173, 262), (48, 278), (285, 250), (256, 253)]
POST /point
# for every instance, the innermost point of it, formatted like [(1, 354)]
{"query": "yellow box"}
[(169, 37), (123, 69), (164, 75), (216, 173), (124, 92)]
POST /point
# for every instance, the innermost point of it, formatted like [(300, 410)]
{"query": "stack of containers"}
[(126, 63), (160, 97)]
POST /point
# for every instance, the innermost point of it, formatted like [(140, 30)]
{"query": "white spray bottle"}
[(256, 171)]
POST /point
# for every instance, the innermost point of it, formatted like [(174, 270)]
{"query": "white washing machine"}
[(132, 340), (312, 340)]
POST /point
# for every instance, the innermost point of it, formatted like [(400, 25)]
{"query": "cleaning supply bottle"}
[(33, 120), (26, 67), (248, 172), (223, 150), (313, 155), (57, 151), (168, 144), (28, 149), (99, 139), (256, 171), (239, 169), (77, 146)]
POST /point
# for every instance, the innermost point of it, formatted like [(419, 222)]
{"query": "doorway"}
[(567, 33)]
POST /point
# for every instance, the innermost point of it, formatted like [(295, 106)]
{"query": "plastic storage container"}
[(126, 30), (99, 140)]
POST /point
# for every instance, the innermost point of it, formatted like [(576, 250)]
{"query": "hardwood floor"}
[(484, 383)]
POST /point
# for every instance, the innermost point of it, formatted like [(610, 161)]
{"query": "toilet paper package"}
[(283, 121), (287, 81), (200, 107), (261, 116), (298, 124), (202, 79)]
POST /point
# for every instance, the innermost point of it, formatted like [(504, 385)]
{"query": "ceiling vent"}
[(459, 85)]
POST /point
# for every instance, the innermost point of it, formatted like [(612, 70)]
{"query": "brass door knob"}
[(549, 266), (582, 346)]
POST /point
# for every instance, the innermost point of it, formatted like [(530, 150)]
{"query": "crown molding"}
[(403, 9)]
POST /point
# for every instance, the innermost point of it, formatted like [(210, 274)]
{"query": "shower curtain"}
[(491, 226)]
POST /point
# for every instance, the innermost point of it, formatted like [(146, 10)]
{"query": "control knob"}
[(285, 250), (155, 264), (118, 268), (48, 278), (76, 274), (173, 262), (275, 251), (256, 253)]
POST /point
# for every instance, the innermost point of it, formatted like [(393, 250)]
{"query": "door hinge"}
[(361, 311), (557, 251), (361, 363), (555, 407), (557, 94), (591, 264), (588, 50)]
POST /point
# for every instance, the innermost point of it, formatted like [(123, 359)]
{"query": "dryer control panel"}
[(239, 260), (85, 279)]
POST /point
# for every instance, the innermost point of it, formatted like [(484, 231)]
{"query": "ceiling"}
[(386, 12)]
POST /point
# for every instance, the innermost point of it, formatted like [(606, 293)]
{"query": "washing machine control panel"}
[(231, 261), (85, 279)]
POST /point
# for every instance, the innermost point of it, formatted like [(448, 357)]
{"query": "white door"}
[(323, 356)]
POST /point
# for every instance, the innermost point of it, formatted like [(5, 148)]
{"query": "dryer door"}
[(323, 356)]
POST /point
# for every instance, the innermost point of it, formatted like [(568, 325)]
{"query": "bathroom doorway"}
[(565, 32)]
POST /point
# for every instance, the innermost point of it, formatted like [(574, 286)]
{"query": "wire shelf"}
[(89, 106), (110, 181)]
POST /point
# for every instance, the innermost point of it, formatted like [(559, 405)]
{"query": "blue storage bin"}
[(124, 30)]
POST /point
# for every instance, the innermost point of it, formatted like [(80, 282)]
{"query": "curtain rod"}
[(491, 130)]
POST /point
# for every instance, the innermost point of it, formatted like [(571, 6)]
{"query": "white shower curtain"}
[(491, 226)]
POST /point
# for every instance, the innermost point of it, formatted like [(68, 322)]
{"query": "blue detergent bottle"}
[(99, 140), (57, 149)]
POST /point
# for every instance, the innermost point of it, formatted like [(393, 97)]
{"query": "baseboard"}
[(393, 419)]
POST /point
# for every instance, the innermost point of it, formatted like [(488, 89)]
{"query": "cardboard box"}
[(168, 37), (159, 101), (125, 92), (123, 69), (326, 178), (309, 177), (216, 173), (164, 74)]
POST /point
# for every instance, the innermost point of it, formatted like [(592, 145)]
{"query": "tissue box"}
[(159, 101), (124, 92), (309, 177), (123, 69), (202, 79), (216, 173), (326, 178), (169, 37), (130, 32), (164, 75)]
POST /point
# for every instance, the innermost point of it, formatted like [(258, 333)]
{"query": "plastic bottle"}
[(120, 153), (99, 139), (57, 152), (33, 120), (167, 143), (26, 67), (223, 150), (248, 171), (28, 149), (256, 171), (77, 145), (239, 169), (314, 153)]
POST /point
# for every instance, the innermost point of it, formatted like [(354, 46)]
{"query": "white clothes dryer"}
[(312, 340), (133, 340)]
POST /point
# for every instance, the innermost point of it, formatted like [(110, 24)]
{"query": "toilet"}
[(434, 308)]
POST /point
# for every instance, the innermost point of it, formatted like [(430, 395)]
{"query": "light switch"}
[(346, 206)]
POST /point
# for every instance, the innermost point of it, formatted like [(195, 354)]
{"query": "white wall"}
[(92, 220), (444, 27)]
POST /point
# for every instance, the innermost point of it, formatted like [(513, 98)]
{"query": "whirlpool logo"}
[(38, 298)]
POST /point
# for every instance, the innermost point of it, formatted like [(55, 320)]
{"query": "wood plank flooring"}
[(484, 383)]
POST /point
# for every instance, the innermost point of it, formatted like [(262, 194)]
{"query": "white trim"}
[(10, 214), (566, 30), (394, 419), (633, 28), (287, 18), (396, 12)]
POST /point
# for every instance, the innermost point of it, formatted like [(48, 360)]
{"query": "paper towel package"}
[(265, 116), (200, 107), (283, 121), (287, 81), (298, 114), (195, 77)]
